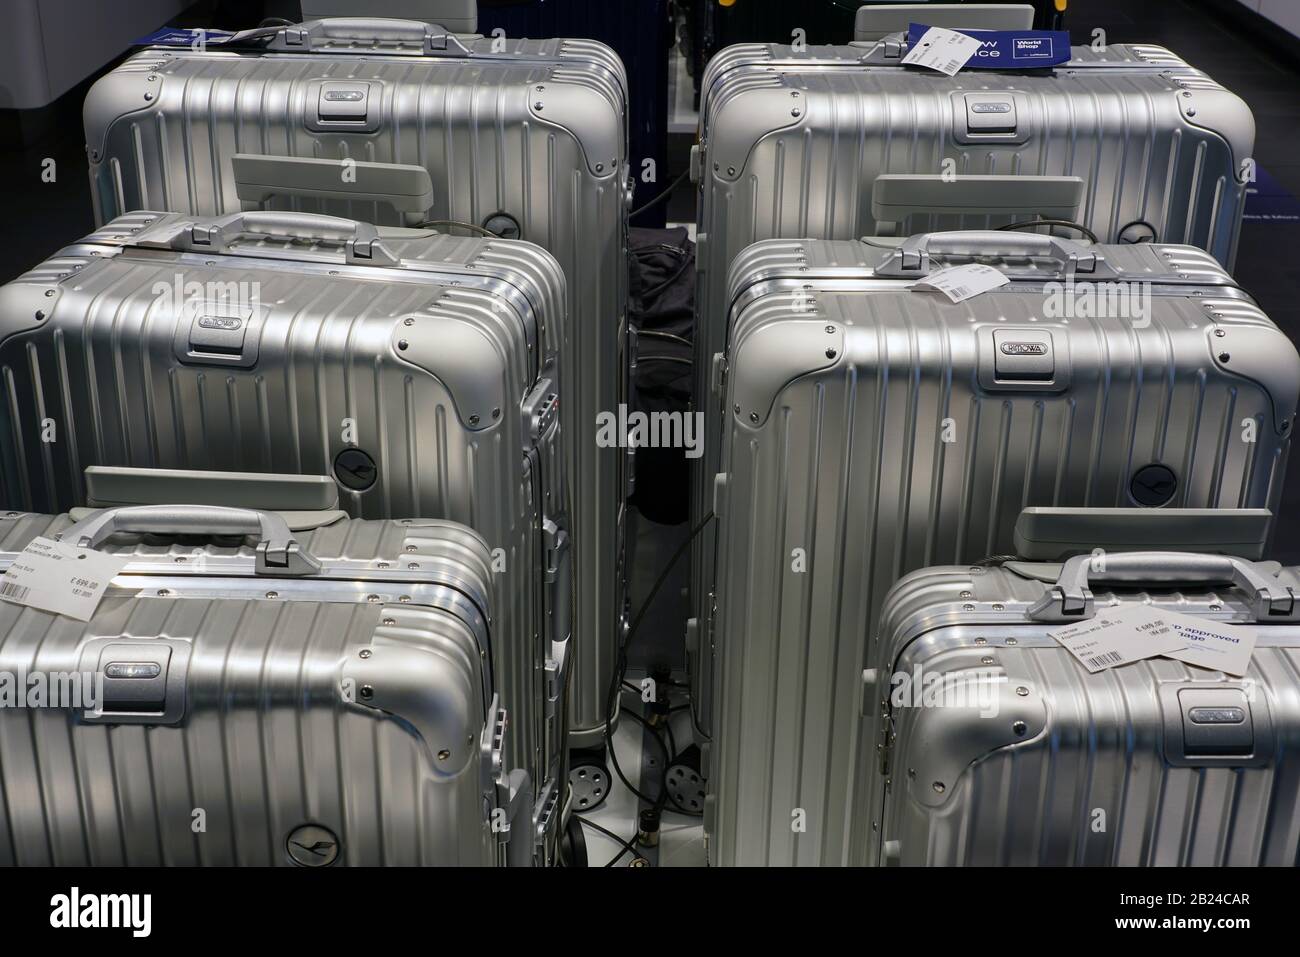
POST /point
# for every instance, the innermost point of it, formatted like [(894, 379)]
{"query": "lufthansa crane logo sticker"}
[(312, 846)]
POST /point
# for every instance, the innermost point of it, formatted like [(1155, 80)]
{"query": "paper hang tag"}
[(1006, 49), (959, 283), (1212, 644), (60, 578), (1119, 636), (944, 50)]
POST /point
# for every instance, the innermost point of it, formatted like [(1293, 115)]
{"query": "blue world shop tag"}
[(1009, 49), (177, 37)]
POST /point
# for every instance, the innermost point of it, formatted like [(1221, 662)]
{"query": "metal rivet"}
[(537, 105), (939, 787), (1224, 357), (1220, 333), (1020, 728), (473, 419), (180, 561), (1191, 112), (408, 321), (1022, 691), (965, 594), (753, 416), (373, 599), (164, 592), (831, 353), (997, 607), (987, 660), (830, 330), (967, 607), (600, 167), (48, 293), (444, 754), (1012, 641), (404, 598), (496, 413), (795, 112), (403, 344), (39, 315), (382, 565), (367, 691), (148, 96), (273, 594), (365, 653), (1216, 608), (390, 621), (981, 641), (737, 410), (731, 171), (410, 548), (413, 566)]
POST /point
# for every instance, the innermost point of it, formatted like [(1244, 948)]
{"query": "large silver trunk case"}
[(436, 356), (357, 699), (869, 433), (535, 129), (792, 143), (1078, 769)]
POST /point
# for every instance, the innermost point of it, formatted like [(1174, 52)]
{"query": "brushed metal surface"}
[(848, 464), (102, 367), (1034, 802), (792, 143), (537, 130), (267, 742)]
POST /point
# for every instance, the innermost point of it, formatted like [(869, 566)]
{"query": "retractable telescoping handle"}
[(912, 258), (278, 553), (1070, 599)]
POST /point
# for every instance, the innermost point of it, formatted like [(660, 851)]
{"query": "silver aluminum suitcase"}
[(1157, 762), (527, 138), (873, 430), (1131, 141), (317, 698), (419, 370)]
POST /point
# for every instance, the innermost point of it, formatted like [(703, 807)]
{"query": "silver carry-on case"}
[(400, 122), (873, 429), (421, 371), (316, 697), (1032, 760), (844, 142)]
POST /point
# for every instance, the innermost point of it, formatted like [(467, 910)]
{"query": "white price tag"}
[(1212, 644), (1118, 636), (959, 283), (944, 50), (54, 576)]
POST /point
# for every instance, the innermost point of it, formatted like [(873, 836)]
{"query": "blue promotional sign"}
[(1009, 49), (176, 37)]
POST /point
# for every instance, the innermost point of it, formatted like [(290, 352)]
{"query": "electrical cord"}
[(1062, 223), (627, 845), (620, 669), (456, 224), (662, 196)]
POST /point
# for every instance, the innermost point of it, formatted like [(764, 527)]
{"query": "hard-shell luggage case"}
[(248, 695), (1139, 145), (1156, 762), (873, 429), (399, 122), (419, 370)]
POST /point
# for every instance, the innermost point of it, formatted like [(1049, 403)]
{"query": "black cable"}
[(671, 337), (457, 224), (627, 845), (1063, 223), (654, 291), (672, 741), (275, 22), (661, 197)]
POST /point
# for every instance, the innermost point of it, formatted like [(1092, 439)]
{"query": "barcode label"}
[(13, 590), (960, 283), (944, 50), (1098, 662), (60, 578)]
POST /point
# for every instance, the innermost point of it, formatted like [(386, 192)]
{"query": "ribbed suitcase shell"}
[(101, 367), (267, 741), (843, 458), (792, 143), (538, 130), (1092, 742)]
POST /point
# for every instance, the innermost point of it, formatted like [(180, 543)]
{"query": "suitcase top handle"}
[(874, 22), (361, 240), (911, 259), (1071, 600), (430, 38), (278, 553)]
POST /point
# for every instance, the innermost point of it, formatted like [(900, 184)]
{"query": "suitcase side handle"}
[(361, 240), (896, 196), (912, 258), (1070, 599), (278, 553), (407, 189), (433, 39)]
